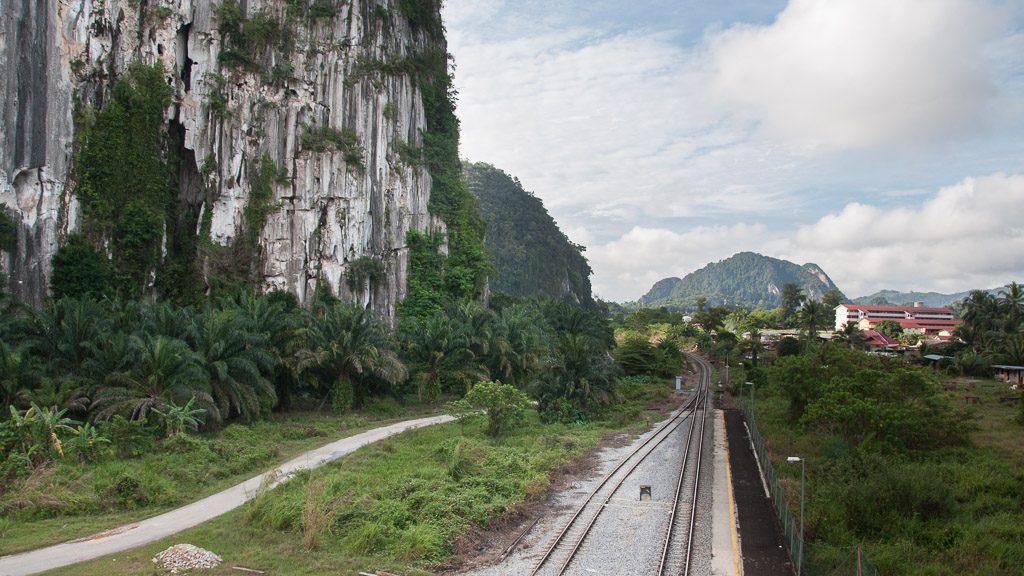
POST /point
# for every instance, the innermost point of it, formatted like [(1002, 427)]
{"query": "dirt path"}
[(157, 527)]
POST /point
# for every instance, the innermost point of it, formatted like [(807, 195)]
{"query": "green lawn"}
[(69, 500), (400, 504)]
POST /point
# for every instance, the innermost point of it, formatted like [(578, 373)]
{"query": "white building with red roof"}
[(915, 319)]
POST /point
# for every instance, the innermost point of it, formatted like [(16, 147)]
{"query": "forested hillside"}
[(532, 257), (897, 298), (746, 279)]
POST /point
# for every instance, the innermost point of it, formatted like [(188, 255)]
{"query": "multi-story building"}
[(916, 319)]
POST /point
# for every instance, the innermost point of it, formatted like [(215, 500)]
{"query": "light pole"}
[(800, 557)]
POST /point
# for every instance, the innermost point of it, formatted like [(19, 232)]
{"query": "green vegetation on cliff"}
[(125, 184), (532, 257), (462, 274)]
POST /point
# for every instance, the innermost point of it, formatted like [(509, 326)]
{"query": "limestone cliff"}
[(334, 66)]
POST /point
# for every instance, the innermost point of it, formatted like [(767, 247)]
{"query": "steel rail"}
[(661, 435), (670, 531)]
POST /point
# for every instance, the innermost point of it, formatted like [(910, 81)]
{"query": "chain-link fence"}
[(817, 559)]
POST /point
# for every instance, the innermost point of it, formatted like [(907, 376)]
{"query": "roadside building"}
[(875, 341), (1010, 374)]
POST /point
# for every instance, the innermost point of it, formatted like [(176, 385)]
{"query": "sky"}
[(880, 139)]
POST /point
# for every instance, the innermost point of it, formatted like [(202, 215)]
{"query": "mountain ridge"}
[(745, 278), (532, 256)]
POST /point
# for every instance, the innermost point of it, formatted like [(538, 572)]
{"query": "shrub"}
[(504, 405), (342, 395), (325, 139), (129, 438)]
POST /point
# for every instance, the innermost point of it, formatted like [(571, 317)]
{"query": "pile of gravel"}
[(182, 557)]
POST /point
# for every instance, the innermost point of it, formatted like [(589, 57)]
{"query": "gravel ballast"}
[(627, 538)]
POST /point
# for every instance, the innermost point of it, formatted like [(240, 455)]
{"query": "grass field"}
[(69, 500), (399, 505)]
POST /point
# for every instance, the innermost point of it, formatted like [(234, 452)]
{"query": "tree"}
[(504, 405), (1012, 301), (813, 316), (753, 345), (580, 371), (163, 370), (789, 300), (274, 317), (80, 270), (890, 328), (346, 344), (832, 298), (437, 355), (711, 319), (18, 377), (850, 334), (519, 344), (236, 362)]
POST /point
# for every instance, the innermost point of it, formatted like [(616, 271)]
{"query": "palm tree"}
[(62, 332), (579, 371), (1012, 300), (347, 344), (1013, 350), (163, 370), (753, 345), (18, 377), (813, 315), (276, 318), (437, 354), (236, 362), (980, 313), (850, 334), (518, 345)]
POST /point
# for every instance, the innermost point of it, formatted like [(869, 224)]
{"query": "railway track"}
[(677, 542)]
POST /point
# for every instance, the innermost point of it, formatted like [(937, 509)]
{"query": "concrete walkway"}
[(157, 527), (725, 544)]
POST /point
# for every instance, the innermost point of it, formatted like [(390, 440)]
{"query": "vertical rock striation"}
[(338, 67)]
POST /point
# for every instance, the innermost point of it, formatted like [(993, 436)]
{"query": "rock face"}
[(329, 208)]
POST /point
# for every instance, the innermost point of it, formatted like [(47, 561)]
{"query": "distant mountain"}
[(746, 279), (531, 255), (930, 299)]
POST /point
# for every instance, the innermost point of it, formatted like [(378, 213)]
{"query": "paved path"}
[(157, 527), (725, 545)]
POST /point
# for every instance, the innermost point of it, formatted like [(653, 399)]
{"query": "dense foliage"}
[(125, 210), (992, 331), (891, 464), (174, 368), (8, 231), (462, 274), (744, 279), (531, 256)]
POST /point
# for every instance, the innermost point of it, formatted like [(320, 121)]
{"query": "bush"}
[(562, 410), (342, 395), (504, 405), (325, 139), (129, 438)]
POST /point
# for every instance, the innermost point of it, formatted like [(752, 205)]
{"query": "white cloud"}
[(754, 130), (627, 267), (969, 235), (855, 73)]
